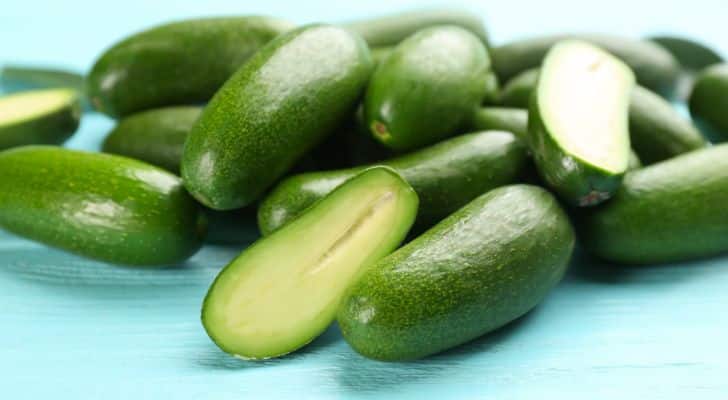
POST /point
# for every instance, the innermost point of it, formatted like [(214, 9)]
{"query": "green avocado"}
[(482, 267), (155, 136), (709, 101), (390, 30), (578, 122), (426, 89), (446, 176), (20, 78), (667, 212), (654, 67), (283, 102), (514, 120), (100, 206), (45, 116), (691, 55), (178, 63), (284, 290)]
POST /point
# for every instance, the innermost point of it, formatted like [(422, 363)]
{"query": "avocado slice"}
[(578, 122), (284, 290), (44, 116), (482, 267)]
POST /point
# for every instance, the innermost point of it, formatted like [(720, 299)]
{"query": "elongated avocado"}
[(155, 136), (691, 54), (670, 211), (446, 176), (178, 63), (482, 267), (48, 116), (514, 120), (293, 93), (425, 90), (282, 292), (390, 30), (517, 91), (100, 206), (709, 101), (654, 67), (578, 126)]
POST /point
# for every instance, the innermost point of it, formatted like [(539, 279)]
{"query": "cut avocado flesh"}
[(284, 290), (21, 107), (584, 96)]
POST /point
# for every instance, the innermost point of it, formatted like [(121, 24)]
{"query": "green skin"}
[(667, 212), (657, 131), (654, 67), (445, 176), (53, 127), (709, 101), (514, 120), (183, 62), (390, 30), (100, 206), (411, 103), (155, 136), (463, 278), (388, 238), (293, 93), (691, 55)]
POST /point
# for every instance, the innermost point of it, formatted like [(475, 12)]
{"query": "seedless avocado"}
[(293, 93), (670, 211), (426, 89), (482, 267), (48, 116), (155, 136), (100, 206), (578, 122), (182, 62), (446, 176), (284, 290), (709, 101)]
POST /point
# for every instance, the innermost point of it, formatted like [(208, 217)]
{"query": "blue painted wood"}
[(79, 329)]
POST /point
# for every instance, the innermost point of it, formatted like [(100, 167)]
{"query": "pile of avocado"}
[(411, 181)]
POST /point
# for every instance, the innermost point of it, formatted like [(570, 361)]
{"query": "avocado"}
[(691, 54), (657, 130), (155, 136), (282, 291), (18, 78), (514, 120), (578, 125), (446, 176), (482, 267), (427, 88), (654, 67), (667, 212), (380, 53), (100, 206), (709, 101), (43, 116), (178, 63), (390, 30), (291, 94)]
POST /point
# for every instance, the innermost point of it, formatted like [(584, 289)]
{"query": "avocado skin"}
[(426, 89), (654, 67), (709, 101), (670, 211), (52, 128), (445, 176), (284, 101), (154, 136), (391, 29), (514, 120), (692, 55), (482, 267), (182, 62), (100, 206), (656, 130)]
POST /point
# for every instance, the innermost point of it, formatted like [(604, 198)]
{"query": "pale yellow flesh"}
[(28, 105), (289, 289), (583, 97)]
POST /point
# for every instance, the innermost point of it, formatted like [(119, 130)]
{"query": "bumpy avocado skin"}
[(183, 62), (293, 93), (101, 206), (445, 176), (709, 101), (667, 212), (484, 266)]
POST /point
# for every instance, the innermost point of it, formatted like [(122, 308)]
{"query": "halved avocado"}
[(284, 290), (578, 125)]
